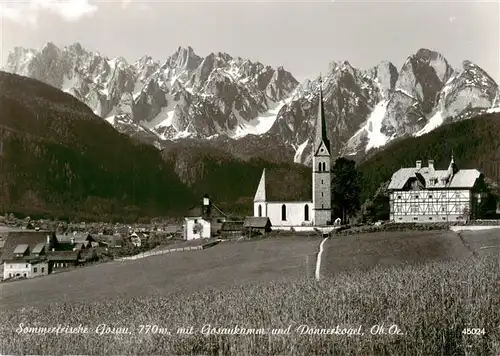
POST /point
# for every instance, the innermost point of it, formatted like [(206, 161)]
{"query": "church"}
[(287, 200)]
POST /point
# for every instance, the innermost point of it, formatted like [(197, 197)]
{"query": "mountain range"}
[(242, 107)]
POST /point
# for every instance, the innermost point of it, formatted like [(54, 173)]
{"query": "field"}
[(255, 285), (227, 264), (353, 252)]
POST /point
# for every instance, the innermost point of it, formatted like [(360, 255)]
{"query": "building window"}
[(324, 167), (430, 217), (260, 210), (34, 269), (43, 269), (319, 166), (430, 196), (283, 212), (399, 196), (400, 218), (306, 212), (444, 218), (321, 206), (322, 181), (415, 218), (321, 193), (416, 196), (26, 266), (10, 275), (25, 275)]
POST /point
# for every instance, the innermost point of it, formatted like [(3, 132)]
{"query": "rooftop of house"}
[(63, 255), (257, 222), (215, 212), (28, 238), (431, 178), (76, 237), (283, 185)]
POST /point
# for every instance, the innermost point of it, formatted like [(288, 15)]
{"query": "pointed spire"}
[(452, 168), (321, 122), (260, 194)]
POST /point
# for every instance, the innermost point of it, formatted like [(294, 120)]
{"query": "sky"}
[(303, 37)]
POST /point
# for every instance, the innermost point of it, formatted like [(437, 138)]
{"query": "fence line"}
[(158, 252)]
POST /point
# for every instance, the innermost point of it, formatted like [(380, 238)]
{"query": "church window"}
[(260, 210), (306, 212), (322, 181), (324, 167), (321, 193), (319, 166), (283, 212)]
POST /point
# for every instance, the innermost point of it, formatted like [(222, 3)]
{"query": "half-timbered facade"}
[(424, 194)]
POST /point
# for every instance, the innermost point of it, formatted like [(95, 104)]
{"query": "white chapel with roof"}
[(309, 206)]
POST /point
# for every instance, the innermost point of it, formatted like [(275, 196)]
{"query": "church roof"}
[(284, 185), (321, 135)]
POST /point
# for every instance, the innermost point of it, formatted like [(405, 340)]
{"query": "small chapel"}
[(308, 203)]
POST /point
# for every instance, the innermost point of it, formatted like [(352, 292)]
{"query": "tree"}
[(198, 228), (378, 208), (345, 188)]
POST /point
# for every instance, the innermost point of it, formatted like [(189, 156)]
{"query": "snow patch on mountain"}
[(166, 115), (493, 110), (374, 126), (261, 124), (435, 121), (300, 150), (68, 83)]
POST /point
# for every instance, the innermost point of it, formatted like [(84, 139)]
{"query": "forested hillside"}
[(59, 159), (475, 143)]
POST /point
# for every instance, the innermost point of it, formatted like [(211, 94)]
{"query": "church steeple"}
[(321, 122), (322, 208), (321, 136)]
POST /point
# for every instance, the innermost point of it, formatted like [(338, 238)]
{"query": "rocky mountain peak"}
[(184, 58), (220, 95), (50, 50)]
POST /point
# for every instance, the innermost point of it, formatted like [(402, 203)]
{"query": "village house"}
[(254, 224), (425, 194), (31, 254), (24, 254), (287, 207), (232, 229), (203, 221)]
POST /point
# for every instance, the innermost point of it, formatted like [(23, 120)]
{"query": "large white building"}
[(310, 204), (424, 194)]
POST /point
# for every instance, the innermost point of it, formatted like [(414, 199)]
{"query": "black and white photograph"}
[(250, 177)]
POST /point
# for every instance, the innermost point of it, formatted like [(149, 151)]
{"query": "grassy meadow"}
[(431, 304)]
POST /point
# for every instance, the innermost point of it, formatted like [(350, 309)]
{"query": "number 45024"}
[(473, 331)]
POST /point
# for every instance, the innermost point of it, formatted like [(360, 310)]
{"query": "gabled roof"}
[(436, 179), (258, 222), (215, 212), (30, 238), (63, 255), (284, 185)]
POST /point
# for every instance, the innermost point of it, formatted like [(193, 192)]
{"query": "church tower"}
[(321, 179)]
